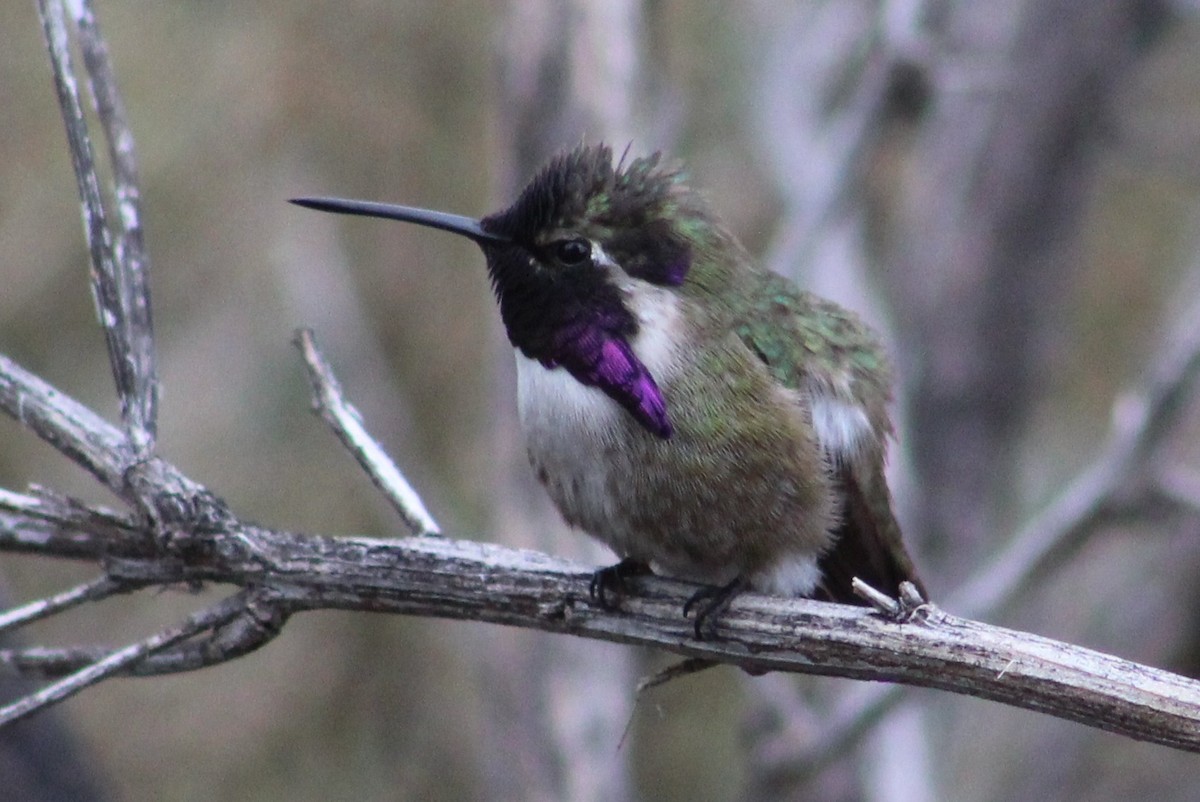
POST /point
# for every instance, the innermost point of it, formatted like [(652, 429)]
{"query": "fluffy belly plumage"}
[(707, 512)]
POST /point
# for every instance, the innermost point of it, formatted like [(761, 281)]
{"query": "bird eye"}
[(572, 252)]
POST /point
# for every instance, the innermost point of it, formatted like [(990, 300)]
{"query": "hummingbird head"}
[(566, 258)]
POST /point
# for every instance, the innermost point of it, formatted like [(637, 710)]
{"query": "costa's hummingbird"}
[(696, 413)]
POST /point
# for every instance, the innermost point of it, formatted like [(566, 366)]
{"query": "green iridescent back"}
[(805, 339)]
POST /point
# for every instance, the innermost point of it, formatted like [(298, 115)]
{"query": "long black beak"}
[(467, 226)]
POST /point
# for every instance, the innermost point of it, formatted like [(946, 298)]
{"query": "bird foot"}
[(898, 610), (610, 585), (713, 600)]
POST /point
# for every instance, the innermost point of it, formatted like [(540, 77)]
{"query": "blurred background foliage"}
[(236, 107)]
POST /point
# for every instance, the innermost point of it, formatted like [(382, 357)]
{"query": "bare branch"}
[(56, 526), (122, 658), (260, 619), (93, 590), (346, 422), (1141, 422), (484, 582), (119, 278), (684, 668), (139, 402), (155, 487), (64, 423)]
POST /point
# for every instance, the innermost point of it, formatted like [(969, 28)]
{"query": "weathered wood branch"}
[(119, 264), (288, 573), (485, 582)]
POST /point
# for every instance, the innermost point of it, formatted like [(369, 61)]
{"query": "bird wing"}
[(824, 351)]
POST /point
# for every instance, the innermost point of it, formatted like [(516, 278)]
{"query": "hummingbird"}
[(702, 416)]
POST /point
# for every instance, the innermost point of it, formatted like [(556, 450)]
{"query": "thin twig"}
[(678, 670), (1141, 424), (880, 601), (51, 505), (104, 273), (122, 658), (330, 402), (51, 525), (93, 590), (155, 487), (71, 428), (260, 620), (137, 380)]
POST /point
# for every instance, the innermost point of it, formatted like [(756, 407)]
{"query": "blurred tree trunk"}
[(983, 244), (982, 251), (558, 706)]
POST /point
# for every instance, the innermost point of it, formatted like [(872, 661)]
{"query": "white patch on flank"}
[(841, 426), (793, 575)]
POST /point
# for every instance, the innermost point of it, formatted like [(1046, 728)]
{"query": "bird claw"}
[(716, 600), (610, 585), (899, 609)]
